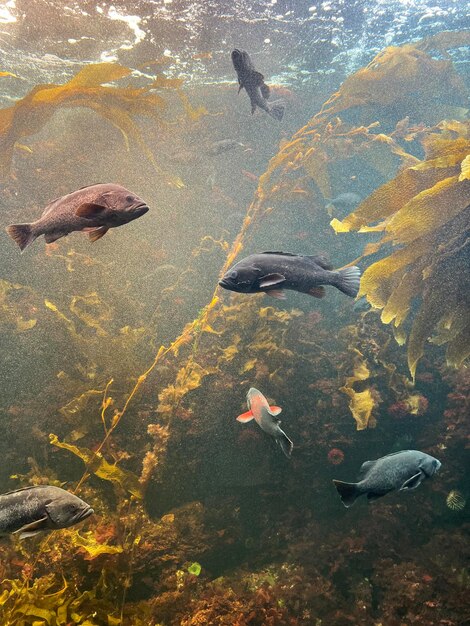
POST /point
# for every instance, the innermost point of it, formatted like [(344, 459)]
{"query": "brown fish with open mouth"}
[(94, 209)]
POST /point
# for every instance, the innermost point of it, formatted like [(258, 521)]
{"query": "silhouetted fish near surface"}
[(397, 471), (94, 209), (272, 272), (266, 418), (253, 82), (32, 510)]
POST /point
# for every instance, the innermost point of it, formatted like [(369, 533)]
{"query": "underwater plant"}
[(455, 500), (89, 88), (423, 210)]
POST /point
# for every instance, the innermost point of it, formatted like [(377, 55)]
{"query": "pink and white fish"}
[(266, 418)]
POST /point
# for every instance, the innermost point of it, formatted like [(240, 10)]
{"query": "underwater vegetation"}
[(89, 88), (132, 417)]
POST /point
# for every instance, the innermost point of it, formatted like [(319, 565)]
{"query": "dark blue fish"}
[(398, 471), (254, 85), (272, 272)]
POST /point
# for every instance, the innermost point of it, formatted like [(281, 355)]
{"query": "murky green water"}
[(124, 365)]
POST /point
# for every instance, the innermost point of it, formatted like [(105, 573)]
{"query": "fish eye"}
[(233, 274), (129, 199)]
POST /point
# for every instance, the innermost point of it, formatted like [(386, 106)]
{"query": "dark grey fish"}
[(272, 272), (253, 82), (397, 471), (224, 145), (32, 510), (266, 418), (95, 209), (361, 305), (345, 202)]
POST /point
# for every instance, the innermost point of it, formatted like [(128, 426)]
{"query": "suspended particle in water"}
[(455, 500)]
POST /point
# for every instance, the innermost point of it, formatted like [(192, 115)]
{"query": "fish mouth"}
[(225, 284), (140, 209), (86, 513)]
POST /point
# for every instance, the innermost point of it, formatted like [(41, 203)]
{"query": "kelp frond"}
[(89, 88), (424, 214)]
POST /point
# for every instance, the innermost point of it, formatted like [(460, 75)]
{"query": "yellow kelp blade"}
[(99, 466), (429, 210), (92, 547), (392, 196), (361, 403)]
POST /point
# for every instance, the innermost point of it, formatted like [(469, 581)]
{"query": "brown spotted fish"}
[(93, 209)]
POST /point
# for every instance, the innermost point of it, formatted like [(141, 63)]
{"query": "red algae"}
[(335, 456)]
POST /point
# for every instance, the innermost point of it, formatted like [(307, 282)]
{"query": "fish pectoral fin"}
[(275, 410), (271, 279), (33, 527), (276, 293), (265, 91), (245, 417), (90, 210), (317, 292), (97, 233), (412, 482), (28, 533)]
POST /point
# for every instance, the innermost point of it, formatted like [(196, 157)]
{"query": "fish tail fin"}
[(22, 234), (348, 492), (286, 444), (348, 281), (276, 110)]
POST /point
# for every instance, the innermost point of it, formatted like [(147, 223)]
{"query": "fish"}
[(254, 85), (272, 272), (400, 471), (266, 418), (361, 305), (93, 209), (31, 510), (223, 145), (344, 202)]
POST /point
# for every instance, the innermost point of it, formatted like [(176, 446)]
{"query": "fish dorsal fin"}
[(88, 186), (271, 280), (8, 493), (90, 210), (365, 468), (265, 91), (321, 260), (280, 252), (395, 453)]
